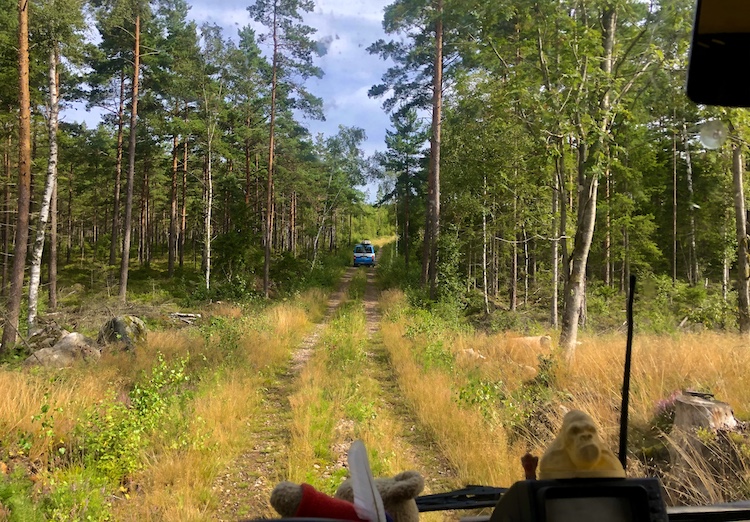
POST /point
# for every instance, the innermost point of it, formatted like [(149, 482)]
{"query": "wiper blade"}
[(470, 497)]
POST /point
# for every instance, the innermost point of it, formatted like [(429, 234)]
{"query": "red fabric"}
[(315, 504)]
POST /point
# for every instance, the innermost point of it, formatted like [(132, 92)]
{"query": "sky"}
[(345, 28)]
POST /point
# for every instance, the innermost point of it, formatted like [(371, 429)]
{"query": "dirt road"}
[(243, 489)]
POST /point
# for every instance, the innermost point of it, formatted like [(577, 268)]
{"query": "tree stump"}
[(700, 451)]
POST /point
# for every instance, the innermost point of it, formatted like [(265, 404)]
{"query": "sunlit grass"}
[(230, 364), (481, 454)]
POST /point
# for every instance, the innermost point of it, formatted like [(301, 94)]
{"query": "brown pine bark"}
[(10, 331)]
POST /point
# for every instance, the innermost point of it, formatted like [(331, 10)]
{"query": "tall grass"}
[(343, 395), (486, 411), (219, 371), (480, 453)]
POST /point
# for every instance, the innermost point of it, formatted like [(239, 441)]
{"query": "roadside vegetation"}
[(144, 435)]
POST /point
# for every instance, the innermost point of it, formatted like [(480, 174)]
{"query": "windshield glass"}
[(188, 318)]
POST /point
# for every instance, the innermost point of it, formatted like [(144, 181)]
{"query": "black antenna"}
[(626, 380)]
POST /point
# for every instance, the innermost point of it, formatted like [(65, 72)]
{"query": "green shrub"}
[(483, 395)]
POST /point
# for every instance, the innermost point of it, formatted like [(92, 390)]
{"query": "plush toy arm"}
[(404, 486), (315, 504)]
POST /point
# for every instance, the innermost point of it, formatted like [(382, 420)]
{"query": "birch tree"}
[(63, 21)]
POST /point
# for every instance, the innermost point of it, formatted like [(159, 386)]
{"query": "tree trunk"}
[(434, 173), (407, 219), (125, 264), (575, 284), (555, 242), (144, 252), (608, 228), (69, 220), (674, 209), (44, 210), (269, 185), (7, 217), (24, 181), (118, 173), (743, 263), (53, 249), (183, 213), (293, 224), (171, 256), (695, 275), (484, 249), (208, 206), (513, 283)]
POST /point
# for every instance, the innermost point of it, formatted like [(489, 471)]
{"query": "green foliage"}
[(113, 434), (452, 284), (392, 272), (482, 394), (16, 498), (76, 494), (111, 440), (435, 356), (524, 408)]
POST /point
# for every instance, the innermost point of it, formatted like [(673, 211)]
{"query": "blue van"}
[(364, 254)]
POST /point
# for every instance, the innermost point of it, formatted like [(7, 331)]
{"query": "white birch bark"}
[(38, 247)]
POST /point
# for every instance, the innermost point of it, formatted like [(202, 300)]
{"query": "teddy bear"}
[(302, 500)]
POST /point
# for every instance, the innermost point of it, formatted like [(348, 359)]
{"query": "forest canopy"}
[(538, 150)]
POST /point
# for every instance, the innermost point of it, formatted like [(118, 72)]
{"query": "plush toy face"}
[(582, 441)]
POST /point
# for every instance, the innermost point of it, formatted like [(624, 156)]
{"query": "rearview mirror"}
[(719, 65)]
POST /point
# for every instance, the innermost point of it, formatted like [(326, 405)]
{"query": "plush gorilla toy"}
[(578, 452)]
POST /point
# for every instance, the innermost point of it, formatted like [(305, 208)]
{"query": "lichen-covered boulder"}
[(126, 329), (66, 352)]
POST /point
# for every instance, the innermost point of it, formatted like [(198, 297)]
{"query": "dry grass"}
[(479, 447), (708, 362), (176, 483), (480, 453)]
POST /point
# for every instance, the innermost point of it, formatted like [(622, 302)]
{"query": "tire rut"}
[(243, 488), (435, 467)]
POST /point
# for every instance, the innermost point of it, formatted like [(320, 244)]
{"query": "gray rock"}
[(126, 329), (70, 349)]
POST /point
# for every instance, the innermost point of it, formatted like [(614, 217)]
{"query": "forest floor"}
[(244, 488)]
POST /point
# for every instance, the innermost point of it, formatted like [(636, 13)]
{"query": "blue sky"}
[(348, 27)]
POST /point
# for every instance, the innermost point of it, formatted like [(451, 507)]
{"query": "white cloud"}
[(371, 10)]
